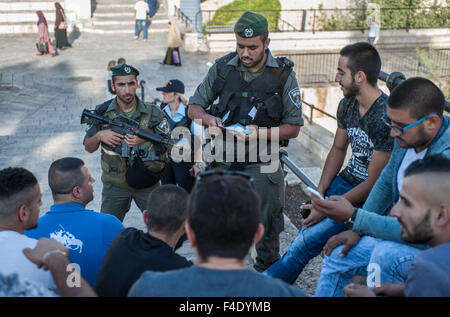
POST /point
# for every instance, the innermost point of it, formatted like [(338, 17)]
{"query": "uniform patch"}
[(164, 127), (295, 97)]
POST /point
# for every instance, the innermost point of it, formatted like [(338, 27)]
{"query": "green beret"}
[(250, 25), (124, 70)]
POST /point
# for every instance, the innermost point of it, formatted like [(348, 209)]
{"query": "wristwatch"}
[(351, 221), (201, 165)]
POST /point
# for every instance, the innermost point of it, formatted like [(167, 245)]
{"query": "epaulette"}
[(225, 59), (285, 62)]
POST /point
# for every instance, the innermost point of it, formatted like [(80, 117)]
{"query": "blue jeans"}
[(309, 241), (387, 262), (140, 25)]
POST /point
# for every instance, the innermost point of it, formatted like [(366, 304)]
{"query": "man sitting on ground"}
[(133, 251), (86, 233), (223, 223)]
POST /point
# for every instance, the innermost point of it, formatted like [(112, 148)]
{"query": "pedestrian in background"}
[(140, 17), (61, 28), (44, 44), (108, 78), (173, 45), (374, 32)]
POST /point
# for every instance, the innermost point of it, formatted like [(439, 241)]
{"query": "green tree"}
[(228, 15), (400, 14)]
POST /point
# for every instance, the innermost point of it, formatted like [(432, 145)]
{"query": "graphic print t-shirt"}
[(365, 134)]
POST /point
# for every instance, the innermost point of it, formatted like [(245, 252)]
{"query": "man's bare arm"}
[(52, 255), (334, 160), (196, 112), (106, 136)]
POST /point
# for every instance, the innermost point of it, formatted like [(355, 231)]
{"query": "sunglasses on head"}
[(219, 172)]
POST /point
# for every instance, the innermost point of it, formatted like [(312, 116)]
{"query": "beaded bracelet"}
[(46, 255)]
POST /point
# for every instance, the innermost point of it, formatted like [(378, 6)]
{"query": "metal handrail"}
[(396, 78), (392, 80), (142, 83), (184, 18), (285, 161), (284, 22)]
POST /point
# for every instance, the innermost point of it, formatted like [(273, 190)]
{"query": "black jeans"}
[(178, 174)]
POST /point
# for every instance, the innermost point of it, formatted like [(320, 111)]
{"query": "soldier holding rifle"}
[(131, 165)]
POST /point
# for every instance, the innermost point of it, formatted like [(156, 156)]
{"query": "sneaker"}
[(136, 37)]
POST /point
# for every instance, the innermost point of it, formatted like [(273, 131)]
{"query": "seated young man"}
[(415, 114), (423, 212), (223, 223), (86, 233), (133, 251), (360, 125)]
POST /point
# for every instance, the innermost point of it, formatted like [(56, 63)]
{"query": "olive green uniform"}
[(116, 194), (270, 186)]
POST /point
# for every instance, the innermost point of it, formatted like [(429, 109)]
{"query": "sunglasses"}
[(219, 172), (398, 130)]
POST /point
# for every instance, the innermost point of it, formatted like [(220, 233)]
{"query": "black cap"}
[(173, 85)]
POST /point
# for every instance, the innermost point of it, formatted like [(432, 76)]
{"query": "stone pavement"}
[(42, 97)]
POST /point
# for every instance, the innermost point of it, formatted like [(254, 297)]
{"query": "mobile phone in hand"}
[(314, 192)]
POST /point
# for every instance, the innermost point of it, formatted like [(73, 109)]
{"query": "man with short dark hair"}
[(420, 128), (260, 93), (360, 125), (20, 199), (223, 223), (86, 233), (127, 178), (133, 251), (423, 212)]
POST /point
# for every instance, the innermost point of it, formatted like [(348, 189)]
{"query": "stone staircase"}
[(19, 16), (117, 17)]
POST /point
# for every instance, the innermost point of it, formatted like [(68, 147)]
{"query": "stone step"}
[(113, 31), (28, 5), (21, 16), (99, 22)]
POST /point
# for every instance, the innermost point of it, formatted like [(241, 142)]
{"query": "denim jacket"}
[(372, 219)]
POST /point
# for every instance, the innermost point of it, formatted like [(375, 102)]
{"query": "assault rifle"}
[(124, 125)]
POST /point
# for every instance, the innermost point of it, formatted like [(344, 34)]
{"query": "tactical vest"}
[(256, 102), (114, 166), (186, 123)]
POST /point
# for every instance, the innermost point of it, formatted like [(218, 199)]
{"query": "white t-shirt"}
[(141, 8), (409, 157), (12, 259)]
